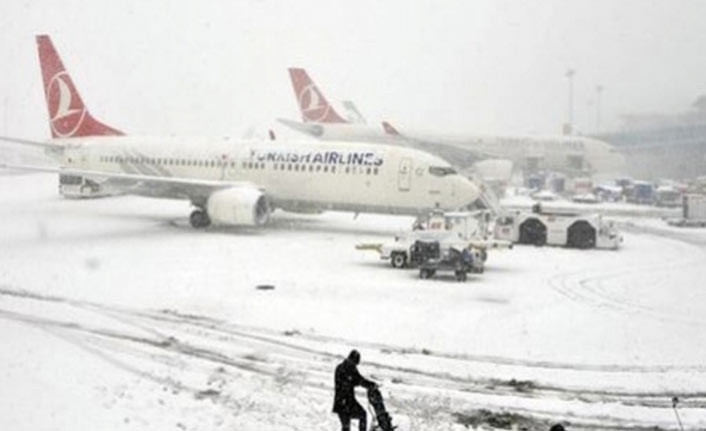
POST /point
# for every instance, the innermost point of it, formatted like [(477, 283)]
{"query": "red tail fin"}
[(389, 129), (68, 116), (312, 103)]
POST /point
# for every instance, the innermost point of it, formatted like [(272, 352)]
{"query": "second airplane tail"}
[(389, 129), (68, 116), (312, 103)]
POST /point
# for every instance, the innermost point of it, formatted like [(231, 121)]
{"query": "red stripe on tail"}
[(312, 103), (68, 116)]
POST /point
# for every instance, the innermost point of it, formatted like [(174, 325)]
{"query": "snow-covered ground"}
[(115, 314)]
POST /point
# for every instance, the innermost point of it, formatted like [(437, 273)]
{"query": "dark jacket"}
[(346, 379)]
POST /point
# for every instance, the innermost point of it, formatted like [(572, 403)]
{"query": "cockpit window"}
[(441, 171)]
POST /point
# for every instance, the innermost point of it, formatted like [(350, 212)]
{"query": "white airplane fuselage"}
[(297, 175), (572, 154)]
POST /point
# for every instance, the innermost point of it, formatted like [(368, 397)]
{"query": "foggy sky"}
[(215, 67)]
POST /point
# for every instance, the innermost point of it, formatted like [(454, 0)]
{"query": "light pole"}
[(4, 115), (599, 91), (570, 117)]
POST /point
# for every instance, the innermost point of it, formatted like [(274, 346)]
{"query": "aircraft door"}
[(404, 176), (227, 166)]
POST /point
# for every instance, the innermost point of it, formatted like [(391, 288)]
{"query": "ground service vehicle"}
[(668, 196), (434, 258), (77, 187), (452, 229), (693, 211), (641, 193), (404, 252), (564, 229)]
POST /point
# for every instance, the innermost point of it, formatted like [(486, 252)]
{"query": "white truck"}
[(693, 211), (457, 230), (556, 228), (78, 187), (400, 252)]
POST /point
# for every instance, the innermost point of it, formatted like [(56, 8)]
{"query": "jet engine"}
[(238, 206)]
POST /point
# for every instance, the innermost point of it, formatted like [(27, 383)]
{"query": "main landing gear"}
[(199, 219)]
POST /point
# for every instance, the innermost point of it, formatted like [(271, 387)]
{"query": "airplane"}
[(318, 115), (238, 183), (574, 155)]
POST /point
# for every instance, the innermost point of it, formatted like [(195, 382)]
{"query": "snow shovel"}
[(381, 419)]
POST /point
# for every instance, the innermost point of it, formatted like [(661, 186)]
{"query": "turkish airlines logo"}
[(66, 113), (311, 103)]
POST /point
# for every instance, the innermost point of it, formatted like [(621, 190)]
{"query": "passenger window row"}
[(304, 167), (167, 161), (296, 167)]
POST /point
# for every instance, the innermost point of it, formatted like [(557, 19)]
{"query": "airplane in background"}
[(320, 119), (575, 155), (238, 182)]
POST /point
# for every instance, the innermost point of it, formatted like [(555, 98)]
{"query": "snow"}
[(150, 324)]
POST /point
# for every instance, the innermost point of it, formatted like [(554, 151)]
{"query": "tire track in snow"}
[(422, 378), (134, 354), (318, 362), (95, 344), (590, 287), (271, 336)]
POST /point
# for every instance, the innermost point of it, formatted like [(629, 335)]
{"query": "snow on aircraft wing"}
[(160, 185), (41, 144), (312, 129), (433, 146)]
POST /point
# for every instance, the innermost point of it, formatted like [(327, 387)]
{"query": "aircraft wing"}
[(159, 186), (480, 153), (439, 146), (311, 129), (432, 145), (40, 144)]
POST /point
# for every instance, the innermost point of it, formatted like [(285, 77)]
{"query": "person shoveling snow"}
[(346, 378)]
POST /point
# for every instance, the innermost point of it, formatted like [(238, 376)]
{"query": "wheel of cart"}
[(461, 275), (398, 259), (425, 273)]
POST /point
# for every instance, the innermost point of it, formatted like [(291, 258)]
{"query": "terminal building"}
[(663, 146)]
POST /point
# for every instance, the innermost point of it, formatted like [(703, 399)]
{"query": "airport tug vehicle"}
[(433, 257), (582, 231)]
